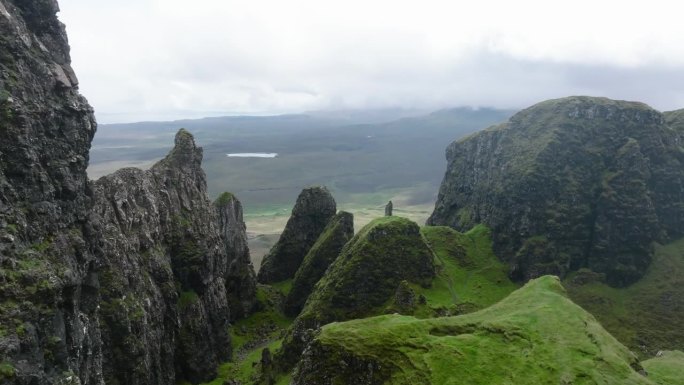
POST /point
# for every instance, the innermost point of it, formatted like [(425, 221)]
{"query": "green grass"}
[(243, 370), (283, 286), (6, 371), (224, 198), (668, 369), (187, 298), (251, 335), (646, 316), (534, 336), (469, 275)]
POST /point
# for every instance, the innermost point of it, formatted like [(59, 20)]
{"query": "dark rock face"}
[(388, 209), (571, 183), (48, 283), (312, 212), (354, 369), (326, 249), (240, 277), (168, 259), (128, 280)]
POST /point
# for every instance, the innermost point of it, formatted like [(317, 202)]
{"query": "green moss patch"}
[(6, 371), (262, 329), (224, 199)]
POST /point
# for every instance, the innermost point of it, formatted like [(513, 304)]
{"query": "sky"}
[(170, 59)]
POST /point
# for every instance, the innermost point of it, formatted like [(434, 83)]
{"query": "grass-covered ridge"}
[(667, 369), (646, 316), (534, 336)]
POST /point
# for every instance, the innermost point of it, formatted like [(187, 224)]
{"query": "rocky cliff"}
[(312, 212), (167, 257), (133, 279), (48, 276), (571, 183), (240, 277)]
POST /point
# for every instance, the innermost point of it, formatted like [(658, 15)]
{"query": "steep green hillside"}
[(469, 275), (534, 336), (668, 369), (646, 316)]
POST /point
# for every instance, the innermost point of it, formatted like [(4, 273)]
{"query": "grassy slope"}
[(668, 369), (251, 335), (469, 276), (646, 316), (535, 336)]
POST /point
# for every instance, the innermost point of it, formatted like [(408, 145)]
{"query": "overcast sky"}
[(168, 59)]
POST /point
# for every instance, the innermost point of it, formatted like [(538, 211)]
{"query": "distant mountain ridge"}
[(351, 155)]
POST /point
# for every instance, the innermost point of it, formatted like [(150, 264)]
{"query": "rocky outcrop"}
[(312, 212), (240, 277), (326, 249), (388, 209), (128, 280), (173, 267), (570, 183), (363, 279), (48, 282)]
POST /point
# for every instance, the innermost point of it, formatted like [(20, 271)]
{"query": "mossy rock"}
[(362, 281), (367, 273), (326, 249)]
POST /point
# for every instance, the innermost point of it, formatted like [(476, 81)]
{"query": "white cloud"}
[(159, 59)]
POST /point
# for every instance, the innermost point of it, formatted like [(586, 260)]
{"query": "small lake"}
[(253, 155)]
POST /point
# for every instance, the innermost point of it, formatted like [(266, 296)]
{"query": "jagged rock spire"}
[(314, 208)]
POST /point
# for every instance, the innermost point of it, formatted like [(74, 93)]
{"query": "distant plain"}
[(365, 158)]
